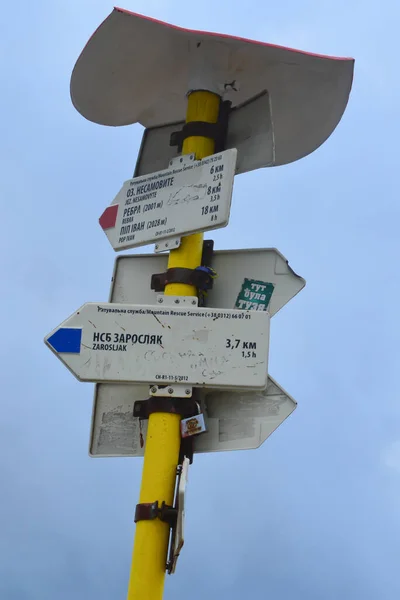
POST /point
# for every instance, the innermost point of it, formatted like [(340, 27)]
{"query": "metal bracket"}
[(178, 300), (207, 254), (168, 244), (215, 131), (176, 540), (182, 160), (148, 511), (174, 390), (185, 407), (172, 515), (200, 278)]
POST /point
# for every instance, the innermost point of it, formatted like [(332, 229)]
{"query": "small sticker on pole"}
[(193, 426)]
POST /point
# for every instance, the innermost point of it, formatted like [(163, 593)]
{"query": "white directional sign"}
[(187, 197), (235, 420), (160, 344)]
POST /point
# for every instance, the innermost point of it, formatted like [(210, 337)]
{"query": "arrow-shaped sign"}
[(236, 419), (187, 197), (127, 343)]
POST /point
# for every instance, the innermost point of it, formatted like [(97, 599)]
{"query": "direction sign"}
[(116, 432), (236, 420), (165, 344), (187, 197)]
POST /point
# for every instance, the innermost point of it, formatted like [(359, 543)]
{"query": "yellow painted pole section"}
[(202, 106), (163, 433)]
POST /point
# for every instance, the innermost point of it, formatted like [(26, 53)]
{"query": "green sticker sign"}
[(254, 295)]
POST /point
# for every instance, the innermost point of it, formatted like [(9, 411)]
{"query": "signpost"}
[(212, 105), (187, 197)]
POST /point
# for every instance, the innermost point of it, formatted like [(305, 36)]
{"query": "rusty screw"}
[(170, 391), (153, 389)]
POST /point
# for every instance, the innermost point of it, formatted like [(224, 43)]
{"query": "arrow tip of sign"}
[(66, 340), (109, 217)]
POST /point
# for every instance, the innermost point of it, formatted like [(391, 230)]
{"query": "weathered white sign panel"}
[(160, 344), (132, 275), (187, 197), (238, 420)]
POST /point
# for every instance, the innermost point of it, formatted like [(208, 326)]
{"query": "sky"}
[(315, 512)]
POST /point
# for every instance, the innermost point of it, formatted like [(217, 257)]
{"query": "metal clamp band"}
[(201, 278), (148, 511), (185, 407), (215, 131)]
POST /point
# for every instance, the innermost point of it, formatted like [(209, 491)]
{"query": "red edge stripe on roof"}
[(231, 37)]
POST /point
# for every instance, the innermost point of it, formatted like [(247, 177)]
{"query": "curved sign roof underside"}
[(138, 70)]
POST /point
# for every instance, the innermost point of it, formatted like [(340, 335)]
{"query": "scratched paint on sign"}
[(192, 195)]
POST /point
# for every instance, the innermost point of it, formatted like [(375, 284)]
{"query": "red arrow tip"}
[(109, 217)]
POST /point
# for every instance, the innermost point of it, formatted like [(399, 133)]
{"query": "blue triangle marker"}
[(66, 339)]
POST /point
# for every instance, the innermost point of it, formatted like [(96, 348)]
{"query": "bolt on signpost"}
[(193, 356)]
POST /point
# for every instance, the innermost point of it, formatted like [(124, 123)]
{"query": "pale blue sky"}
[(323, 514)]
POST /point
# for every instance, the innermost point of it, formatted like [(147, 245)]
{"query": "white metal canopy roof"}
[(138, 70)]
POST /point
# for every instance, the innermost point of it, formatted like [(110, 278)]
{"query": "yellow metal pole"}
[(163, 433)]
